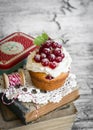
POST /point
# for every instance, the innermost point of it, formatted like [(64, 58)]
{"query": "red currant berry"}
[(62, 55), (54, 44), (45, 62), (37, 58), (48, 44), (58, 59), (57, 51), (46, 51), (51, 57), (52, 65), (59, 46), (42, 56), (41, 50), (49, 77)]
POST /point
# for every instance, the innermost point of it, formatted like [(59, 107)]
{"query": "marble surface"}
[(70, 20)]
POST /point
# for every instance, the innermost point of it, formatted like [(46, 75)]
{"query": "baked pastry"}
[(40, 81), (49, 66)]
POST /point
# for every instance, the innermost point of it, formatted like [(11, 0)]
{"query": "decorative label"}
[(12, 47)]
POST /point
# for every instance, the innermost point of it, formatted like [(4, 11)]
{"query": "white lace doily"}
[(29, 93)]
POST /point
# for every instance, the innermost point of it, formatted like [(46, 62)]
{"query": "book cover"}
[(61, 118)]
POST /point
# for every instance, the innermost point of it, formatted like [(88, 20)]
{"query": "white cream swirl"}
[(62, 66)]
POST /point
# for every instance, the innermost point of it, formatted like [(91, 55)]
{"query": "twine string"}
[(9, 103), (14, 79)]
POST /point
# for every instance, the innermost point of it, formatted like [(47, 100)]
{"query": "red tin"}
[(13, 51)]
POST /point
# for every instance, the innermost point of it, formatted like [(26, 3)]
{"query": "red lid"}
[(14, 49)]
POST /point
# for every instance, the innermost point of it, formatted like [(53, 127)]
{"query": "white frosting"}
[(39, 97), (63, 66)]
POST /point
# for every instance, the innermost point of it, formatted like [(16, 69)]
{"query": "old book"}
[(62, 118), (28, 112)]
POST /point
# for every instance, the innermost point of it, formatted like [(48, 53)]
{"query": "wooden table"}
[(71, 20)]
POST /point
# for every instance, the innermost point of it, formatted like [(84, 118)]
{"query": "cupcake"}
[(49, 66)]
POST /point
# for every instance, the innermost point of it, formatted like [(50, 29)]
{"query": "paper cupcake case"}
[(14, 50)]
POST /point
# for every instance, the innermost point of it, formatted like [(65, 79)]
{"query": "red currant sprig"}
[(49, 54)]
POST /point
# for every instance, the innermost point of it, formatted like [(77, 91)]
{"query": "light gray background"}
[(71, 20)]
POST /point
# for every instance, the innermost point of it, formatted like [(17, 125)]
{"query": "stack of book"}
[(62, 118)]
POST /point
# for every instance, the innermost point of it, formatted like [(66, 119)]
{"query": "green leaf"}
[(45, 36), (41, 39)]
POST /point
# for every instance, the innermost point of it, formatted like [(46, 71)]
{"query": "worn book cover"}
[(61, 118)]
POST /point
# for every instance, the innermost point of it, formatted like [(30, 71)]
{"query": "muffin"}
[(49, 66)]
